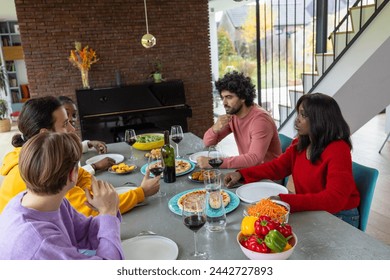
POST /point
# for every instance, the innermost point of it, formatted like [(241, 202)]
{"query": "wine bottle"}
[(168, 157)]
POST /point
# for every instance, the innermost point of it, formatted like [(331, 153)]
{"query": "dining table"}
[(321, 235)]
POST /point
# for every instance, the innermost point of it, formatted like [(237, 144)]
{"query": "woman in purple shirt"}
[(41, 224)]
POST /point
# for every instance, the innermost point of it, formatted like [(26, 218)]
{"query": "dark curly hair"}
[(238, 84), (327, 124)]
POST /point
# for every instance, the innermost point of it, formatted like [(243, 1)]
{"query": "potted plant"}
[(5, 122), (157, 73)]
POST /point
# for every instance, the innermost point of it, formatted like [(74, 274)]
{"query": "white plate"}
[(254, 192), (150, 247), (117, 157), (121, 190), (194, 156)]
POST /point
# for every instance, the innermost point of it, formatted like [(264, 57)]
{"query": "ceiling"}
[(8, 11)]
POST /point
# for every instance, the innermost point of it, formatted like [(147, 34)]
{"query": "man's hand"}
[(203, 162), (222, 121)]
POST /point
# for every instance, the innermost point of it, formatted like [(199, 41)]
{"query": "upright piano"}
[(105, 113)]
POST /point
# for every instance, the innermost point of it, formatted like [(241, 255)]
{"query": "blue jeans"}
[(350, 216)]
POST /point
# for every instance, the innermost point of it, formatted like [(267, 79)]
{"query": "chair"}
[(285, 141), (365, 179)]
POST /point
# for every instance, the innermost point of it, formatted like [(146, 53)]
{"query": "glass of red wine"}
[(176, 136), (131, 138), (215, 156), (194, 218), (156, 167)]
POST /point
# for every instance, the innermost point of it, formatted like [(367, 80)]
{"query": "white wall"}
[(360, 81)]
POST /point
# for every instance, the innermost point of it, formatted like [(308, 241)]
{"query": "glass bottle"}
[(168, 156)]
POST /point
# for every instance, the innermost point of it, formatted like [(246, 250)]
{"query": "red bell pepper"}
[(256, 244), (264, 224), (285, 229)]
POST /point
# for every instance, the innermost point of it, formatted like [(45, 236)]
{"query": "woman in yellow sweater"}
[(47, 114)]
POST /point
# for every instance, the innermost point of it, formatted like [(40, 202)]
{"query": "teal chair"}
[(365, 179), (285, 141)]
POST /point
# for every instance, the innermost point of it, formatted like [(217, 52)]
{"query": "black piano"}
[(106, 113)]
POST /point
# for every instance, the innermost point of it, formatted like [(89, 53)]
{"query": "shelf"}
[(13, 53)]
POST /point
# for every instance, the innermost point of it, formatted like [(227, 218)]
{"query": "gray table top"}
[(320, 234)]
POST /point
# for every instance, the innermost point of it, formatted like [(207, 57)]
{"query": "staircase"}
[(356, 73)]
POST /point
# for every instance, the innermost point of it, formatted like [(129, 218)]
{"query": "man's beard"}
[(233, 111)]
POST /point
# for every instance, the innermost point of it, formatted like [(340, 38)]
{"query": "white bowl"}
[(268, 256), (282, 203)]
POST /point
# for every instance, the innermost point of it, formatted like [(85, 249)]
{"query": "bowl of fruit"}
[(265, 239)]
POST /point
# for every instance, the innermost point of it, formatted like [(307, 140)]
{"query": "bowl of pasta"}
[(276, 209)]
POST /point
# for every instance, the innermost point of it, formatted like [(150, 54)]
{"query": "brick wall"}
[(114, 29)]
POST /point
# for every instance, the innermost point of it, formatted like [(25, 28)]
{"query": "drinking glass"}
[(194, 217), (156, 167), (131, 138), (215, 156), (176, 136)]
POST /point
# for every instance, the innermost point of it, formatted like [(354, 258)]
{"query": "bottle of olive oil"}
[(168, 157)]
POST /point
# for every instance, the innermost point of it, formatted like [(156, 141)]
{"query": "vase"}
[(84, 78)]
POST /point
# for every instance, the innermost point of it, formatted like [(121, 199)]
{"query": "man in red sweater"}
[(253, 127)]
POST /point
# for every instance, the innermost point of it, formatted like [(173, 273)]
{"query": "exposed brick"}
[(114, 29)]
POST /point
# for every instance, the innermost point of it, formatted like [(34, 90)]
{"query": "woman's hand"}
[(150, 185), (231, 179), (99, 146), (104, 199), (103, 164)]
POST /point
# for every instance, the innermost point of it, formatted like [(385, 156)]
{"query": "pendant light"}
[(148, 40)]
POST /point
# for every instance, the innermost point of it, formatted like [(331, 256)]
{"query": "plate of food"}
[(122, 168), (183, 167), (196, 176), (175, 204), (150, 247), (117, 157), (254, 192), (154, 154), (149, 141)]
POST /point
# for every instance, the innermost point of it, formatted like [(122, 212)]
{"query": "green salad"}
[(149, 138)]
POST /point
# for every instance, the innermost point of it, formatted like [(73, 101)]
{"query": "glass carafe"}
[(215, 209)]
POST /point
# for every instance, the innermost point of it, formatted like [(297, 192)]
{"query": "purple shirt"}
[(58, 235)]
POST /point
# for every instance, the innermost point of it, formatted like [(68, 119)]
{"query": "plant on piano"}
[(83, 58), (157, 72)]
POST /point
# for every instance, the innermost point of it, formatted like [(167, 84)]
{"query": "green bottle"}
[(168, 157)]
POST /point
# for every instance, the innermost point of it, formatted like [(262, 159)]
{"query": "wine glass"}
[(194, 217), (131, 138), (176, 136), (215, 156), (156, 167)]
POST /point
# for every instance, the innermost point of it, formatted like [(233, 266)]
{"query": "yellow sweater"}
[(14, 184)]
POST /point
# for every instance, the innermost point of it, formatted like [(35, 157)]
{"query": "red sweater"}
[(326, 185)]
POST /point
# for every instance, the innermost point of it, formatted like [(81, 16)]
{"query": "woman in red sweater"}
[(319, 160)]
